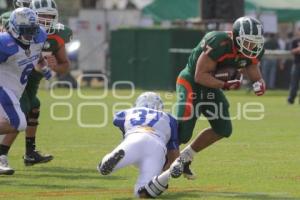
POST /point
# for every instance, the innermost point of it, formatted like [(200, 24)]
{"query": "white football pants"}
[(10, 109), (145, 152)]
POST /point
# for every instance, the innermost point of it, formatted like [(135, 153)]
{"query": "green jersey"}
[(62, 35), (220, 48)]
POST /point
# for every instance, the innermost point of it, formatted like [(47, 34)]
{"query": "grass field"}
[(261, 161)]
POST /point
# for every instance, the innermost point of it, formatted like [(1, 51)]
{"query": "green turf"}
[(261, 161)]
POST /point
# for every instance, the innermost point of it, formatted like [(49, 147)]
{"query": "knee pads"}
[(33, 116), (153, 189)]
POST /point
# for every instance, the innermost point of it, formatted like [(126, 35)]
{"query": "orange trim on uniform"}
[(254, 61), (235, 52), (229, 55), (189, 96), (57, 38)]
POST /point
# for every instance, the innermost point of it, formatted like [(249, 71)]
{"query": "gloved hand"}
[(46, 72), (232, 85), (259, 87)]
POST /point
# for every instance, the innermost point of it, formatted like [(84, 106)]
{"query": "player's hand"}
[(52, 62), (46, 72), (259, 87), (232, 85)]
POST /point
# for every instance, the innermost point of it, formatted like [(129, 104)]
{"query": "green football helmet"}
[(47, 14), (21, 3), (248, 36)]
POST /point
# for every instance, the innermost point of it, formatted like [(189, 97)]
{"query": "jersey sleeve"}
[(119, 120), (173, 142), (216, 45), (3, 57), (64, 33), (41, 37), (7, 46)]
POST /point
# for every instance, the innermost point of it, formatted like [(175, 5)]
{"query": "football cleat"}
[(5, 169), (107, 166), (36, 158), (176, 168), (187, 172)]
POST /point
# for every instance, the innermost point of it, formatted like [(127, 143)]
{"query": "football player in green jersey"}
[(55, 53), (199, 92)]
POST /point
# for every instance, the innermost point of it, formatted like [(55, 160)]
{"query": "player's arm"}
[(204, 69), (295, 48), (119, 120), (171, 156), (254, 74), (42, 66), (173, 144), (59, 62)]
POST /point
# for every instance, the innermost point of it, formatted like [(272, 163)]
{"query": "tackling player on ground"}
[(199, 92), (20, 52), (148, 133), (55, 53)]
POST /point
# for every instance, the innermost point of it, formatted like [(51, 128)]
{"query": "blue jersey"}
[(16, 63), (144, 120)]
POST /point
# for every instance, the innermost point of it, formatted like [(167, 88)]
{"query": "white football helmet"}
[(21, 3), (23, 25), (47, 13), (149, 100)]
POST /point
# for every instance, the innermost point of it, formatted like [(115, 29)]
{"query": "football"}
[(226, 73)]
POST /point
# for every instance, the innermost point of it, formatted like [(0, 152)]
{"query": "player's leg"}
[(185, 109), (186, 113), (32, 156), (148, 185), (216, 109), (152, 182), (127, 153), (5, 128), (294, 84), (12, 120)]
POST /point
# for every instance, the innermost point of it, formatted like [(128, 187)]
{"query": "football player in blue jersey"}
[(148, 133), (20, 52)]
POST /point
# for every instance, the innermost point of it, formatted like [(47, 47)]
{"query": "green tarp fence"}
[(159, 10)]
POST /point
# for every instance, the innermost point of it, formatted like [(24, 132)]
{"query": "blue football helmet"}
[(23, 25), (149, 100)]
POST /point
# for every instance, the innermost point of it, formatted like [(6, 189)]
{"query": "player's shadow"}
[(69, 173), (63, 170), (196, 194)]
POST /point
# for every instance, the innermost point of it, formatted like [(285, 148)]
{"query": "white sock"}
[(187, 153), (164, 177)]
